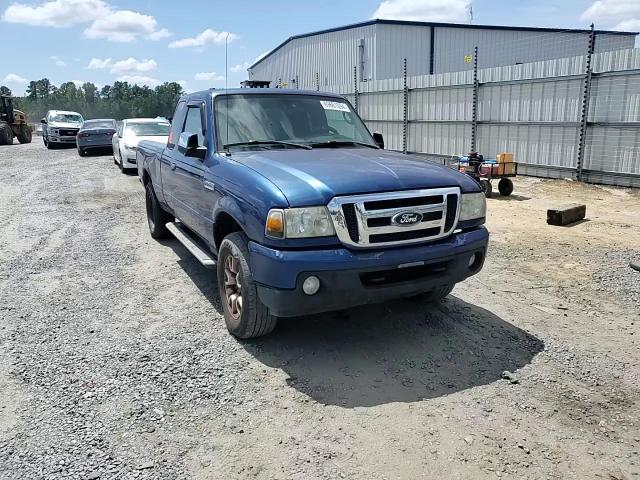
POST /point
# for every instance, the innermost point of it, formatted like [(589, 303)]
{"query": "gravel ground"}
[(115, 363)]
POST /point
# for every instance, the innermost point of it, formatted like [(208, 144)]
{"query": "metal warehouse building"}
[(377, 48)]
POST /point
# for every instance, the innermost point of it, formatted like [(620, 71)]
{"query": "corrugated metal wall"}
[(331, 56), (532, 110), (334, 55)]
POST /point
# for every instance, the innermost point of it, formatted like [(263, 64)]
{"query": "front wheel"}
[(244, 314), (435, 295), (157, 218), (24, 134), (81, 152), (487, 188)]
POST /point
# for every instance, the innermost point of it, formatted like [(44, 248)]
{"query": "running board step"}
[(184, 237)]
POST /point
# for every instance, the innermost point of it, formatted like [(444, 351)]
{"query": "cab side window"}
[(193, 123)]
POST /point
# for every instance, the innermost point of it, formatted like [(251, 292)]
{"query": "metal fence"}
[(573, 117)]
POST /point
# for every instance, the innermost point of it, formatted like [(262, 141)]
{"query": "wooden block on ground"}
[(566, 214)]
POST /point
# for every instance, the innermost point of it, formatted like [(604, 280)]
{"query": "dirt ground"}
[(115, 363)]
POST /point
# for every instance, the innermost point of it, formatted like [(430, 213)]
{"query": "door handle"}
[(173, 166)]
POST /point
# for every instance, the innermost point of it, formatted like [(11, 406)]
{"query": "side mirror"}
[(379, 139), (188, 144), (44, 120)]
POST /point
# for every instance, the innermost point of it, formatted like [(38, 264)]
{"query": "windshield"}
[(147, 129), (280, 121), (99, 124), (66, 118)]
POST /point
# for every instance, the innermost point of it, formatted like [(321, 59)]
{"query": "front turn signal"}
[(275, 224)]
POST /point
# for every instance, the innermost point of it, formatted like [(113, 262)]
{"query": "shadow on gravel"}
[(400, 351)]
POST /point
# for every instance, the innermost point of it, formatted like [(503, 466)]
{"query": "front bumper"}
[(356, 277), (58, 139)]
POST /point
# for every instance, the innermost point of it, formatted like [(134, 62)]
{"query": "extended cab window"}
[(176, 124), (193, 123)]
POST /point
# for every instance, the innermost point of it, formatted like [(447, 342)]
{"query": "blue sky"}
[(146, 41)]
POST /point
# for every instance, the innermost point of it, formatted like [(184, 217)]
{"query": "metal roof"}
[(437, 24)]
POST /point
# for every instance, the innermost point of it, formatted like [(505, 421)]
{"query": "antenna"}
[(470, 13), (226, 83)]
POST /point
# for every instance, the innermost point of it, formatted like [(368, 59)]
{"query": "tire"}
[(49, 145), (487, 188), (6, 134), (81, 152), (505, 187), (157, 218), (25, 134), (253, 318), (435, 295)]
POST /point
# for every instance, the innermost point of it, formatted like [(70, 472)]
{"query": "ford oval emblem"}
[(405, 219)]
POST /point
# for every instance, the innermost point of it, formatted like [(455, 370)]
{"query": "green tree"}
[(5, 91)]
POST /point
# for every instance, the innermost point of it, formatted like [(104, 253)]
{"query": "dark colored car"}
[(95, 134)]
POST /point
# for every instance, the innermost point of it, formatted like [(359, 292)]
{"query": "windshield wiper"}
[(251, 143), (342, 143)]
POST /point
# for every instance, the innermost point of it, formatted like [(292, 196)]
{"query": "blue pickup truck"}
[(300, 209)]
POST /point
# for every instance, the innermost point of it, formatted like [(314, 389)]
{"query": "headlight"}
[(299, 223), (474, 205), (53, 131)]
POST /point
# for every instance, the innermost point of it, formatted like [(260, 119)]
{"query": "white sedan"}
[(130, 131)]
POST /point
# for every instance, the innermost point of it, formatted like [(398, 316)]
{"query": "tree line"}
[(120, 100)]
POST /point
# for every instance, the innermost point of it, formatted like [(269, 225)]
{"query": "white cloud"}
[(131, 66), (15, 79), (424, 10), (58, 61), (57, 13), (105, 21), (208, 76), (99, 63), (241, 67), (632, 25), (78, 83), (208, 37), (139, 79), (125, 26), (616, 14)]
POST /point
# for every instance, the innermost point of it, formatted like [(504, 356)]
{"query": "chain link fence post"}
[(584, 113), (405, 97), (474, 106), (355, 88)]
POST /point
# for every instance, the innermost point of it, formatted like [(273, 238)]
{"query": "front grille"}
[(68, 132), (395, 218)]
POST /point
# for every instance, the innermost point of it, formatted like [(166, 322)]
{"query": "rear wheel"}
[(24, 133), (157, 218), (244, 314), (505, 187), (6, 134)]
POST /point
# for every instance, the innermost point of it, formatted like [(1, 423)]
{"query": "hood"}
[(133, 141), (64, 124), (314, 177)]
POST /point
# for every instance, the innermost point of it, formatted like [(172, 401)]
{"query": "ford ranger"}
[(301, 210)]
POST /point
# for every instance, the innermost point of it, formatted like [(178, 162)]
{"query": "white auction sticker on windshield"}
[(342, 107)]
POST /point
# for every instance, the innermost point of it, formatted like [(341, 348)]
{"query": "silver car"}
[(60, 127), (130, 132), (95, 134)]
